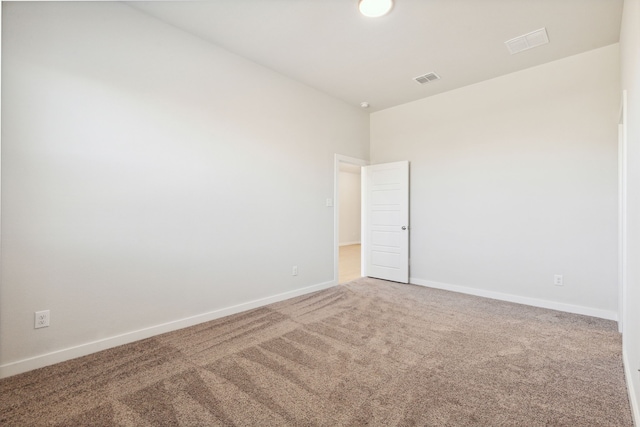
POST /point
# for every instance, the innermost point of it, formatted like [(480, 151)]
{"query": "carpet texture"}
[(366, 353)]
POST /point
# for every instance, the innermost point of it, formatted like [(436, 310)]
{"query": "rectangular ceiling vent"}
[(533, 39), (426, 78)]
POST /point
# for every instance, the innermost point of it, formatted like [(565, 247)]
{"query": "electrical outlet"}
[(294, 270), (557, 280), (42, 319)]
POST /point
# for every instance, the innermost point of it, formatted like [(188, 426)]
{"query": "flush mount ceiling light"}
[(375, 8)]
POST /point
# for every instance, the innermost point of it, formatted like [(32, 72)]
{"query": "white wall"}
[(350, 195), (514, 180), (147, 179), (630, 62)]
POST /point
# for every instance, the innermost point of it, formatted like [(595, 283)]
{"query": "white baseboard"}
[(349, 243), (553, 305), (633, 397), (58, 356)]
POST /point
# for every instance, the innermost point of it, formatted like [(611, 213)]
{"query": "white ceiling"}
[(328, 45)]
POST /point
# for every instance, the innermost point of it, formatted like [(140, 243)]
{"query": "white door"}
[(385, 221)]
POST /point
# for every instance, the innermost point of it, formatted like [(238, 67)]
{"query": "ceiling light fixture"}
[(364, 104), (375, 8)]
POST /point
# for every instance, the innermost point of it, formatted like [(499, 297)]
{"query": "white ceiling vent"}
[(426, 78), (527, 41)]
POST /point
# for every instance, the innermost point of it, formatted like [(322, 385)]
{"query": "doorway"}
[(383, 213), (347, 218)]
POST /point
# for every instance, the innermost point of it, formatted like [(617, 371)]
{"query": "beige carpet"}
[(366, 353)]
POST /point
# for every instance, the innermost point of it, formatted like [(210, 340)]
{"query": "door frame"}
[(622, 213), (339, 158)]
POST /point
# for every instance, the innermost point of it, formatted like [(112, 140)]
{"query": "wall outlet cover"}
[(42, 319)]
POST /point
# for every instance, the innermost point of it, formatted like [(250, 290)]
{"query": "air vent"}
[(527, 41), (426, 78)]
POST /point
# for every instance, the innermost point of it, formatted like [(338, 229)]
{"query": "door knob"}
[(404, 227)]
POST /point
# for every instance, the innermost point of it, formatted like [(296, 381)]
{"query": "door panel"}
[(385, 225)]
